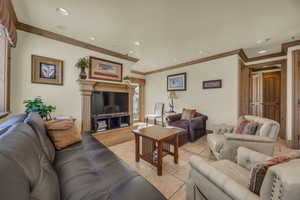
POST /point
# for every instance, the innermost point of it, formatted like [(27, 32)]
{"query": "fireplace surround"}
[(87, 87)]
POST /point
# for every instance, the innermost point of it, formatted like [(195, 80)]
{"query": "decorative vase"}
[(82, 74)]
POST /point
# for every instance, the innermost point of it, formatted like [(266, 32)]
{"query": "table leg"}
[(176, 144), (137, 148), (159, 159)]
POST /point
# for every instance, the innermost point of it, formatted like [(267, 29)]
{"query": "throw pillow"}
[(250, 128), (242, 123), (63, 133), (259, 171), (188, 114)]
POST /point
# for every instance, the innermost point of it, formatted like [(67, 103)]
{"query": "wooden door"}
[(256, 100), (271, 95), (295, 134)]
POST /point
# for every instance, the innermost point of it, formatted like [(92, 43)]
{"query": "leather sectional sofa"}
[(30, 168)]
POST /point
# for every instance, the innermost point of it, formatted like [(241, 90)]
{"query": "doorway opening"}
[(266, 92)]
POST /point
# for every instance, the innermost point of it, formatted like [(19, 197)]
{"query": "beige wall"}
[(220, 105), (67, 97)]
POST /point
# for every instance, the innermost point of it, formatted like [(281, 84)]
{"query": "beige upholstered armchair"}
[(227, 180), (223, 143)]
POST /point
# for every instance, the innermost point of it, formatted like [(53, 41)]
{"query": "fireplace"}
[(105, 105)]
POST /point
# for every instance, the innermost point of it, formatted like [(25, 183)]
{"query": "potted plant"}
[(37, 105), (126, 79), (82, 64)]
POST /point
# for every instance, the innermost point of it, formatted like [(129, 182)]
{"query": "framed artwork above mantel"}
[(105, 70)]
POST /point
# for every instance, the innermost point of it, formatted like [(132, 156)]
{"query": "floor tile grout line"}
[(176, 191)]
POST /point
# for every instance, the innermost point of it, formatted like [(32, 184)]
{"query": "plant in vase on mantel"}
[(82, 64), (37, 105)]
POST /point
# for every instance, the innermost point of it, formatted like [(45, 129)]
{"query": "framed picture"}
[(212, 84), (105, 69), (46, 70), (176, 82)]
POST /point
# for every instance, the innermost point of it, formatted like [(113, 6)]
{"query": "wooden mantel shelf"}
[(87, 87)]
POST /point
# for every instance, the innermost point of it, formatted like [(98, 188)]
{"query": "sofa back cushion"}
[(10, 122), (37, 124), (267, 127), (30, 170)]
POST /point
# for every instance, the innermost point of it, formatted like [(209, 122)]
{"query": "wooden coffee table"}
[(156, 143)]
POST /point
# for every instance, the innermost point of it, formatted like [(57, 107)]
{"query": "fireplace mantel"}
[(89, 86)]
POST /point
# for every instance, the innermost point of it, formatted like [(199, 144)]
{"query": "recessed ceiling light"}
[(131, 52), (262, 51), (62, 11), (263, 41), (92, 38), (200, 52), (137, 43)]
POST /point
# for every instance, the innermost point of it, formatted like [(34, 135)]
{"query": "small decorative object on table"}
[(126, 79), (46, 70), (212, 84), (172, 96), (176, 82), (82, 64), (37, 105), (105, 69)]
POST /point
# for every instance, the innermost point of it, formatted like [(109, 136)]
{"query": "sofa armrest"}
[(222, 181), (172, 118), (232, 142), (248, 158), (282, 181), (249, 138)]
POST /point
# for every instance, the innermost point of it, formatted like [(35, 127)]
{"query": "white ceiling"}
[(170, 31)]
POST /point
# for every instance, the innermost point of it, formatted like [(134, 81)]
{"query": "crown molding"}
[(68, 40)]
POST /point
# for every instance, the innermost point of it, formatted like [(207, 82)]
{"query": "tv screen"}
[(109, 102)]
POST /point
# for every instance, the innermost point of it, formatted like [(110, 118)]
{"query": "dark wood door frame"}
[(295, 142), (283, 100)]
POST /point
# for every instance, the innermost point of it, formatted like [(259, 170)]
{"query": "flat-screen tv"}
[(109, 103)]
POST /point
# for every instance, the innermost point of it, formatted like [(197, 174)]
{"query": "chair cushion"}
[(21, 146), (216, 142), (188, 114), (232, 170), (63, 133), (37, 124)]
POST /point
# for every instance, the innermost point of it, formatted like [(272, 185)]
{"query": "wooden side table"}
[(155, 142)]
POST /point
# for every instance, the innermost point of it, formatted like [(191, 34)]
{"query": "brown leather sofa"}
[(31, 168), (195, 128)]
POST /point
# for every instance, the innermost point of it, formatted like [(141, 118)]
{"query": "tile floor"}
[(172, 182)]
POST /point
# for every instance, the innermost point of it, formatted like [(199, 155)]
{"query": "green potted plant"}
[(82, 64), (37, 105), (126, 79)]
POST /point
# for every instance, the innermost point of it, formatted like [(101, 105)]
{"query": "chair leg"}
[(154, 121), (146, 121)]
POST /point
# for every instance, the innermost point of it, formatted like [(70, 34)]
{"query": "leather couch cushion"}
[(36, 122), (89, 170), (22, 148), (10, 122)]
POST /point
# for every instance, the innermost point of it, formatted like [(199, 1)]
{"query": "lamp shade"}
[(172, 95)]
